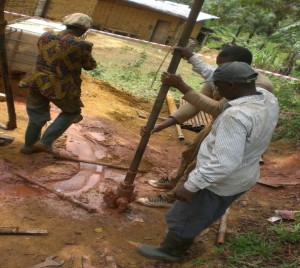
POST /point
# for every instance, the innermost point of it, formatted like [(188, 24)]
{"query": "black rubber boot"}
[(172, 249), (6, 140)]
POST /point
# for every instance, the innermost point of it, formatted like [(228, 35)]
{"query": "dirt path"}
[(110, 133)]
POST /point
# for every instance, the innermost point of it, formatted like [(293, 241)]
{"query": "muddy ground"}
[(109, 133)]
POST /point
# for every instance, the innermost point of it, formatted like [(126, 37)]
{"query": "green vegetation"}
[(263, 27), (273, 38), (278, 246), (287, 234), (288, 94)]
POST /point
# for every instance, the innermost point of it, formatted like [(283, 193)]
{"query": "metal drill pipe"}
[(183, 41)]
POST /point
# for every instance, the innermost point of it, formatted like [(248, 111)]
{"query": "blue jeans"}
[(188, 220)]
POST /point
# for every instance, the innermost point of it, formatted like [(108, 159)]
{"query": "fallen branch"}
[(223, 228), (20, 231), (59, 194), (74, 159)]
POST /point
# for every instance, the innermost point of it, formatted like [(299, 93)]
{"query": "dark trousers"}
[(38, 110), (188, 220), (38, 107)]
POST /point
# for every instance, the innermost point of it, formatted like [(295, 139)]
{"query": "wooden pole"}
[(173, 108), (183, 41), (20, 231), (74, 159), (223, 228), (125, 191), (12, 121), (59, 194)]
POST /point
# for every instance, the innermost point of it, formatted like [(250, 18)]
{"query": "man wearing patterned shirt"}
[(56, 78), (227, 161)]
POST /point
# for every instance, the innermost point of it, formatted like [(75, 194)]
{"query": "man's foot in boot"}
[(36, 148), (27, 150), (40, 147), (155, 201), (172, 249), (157, 253), (162, 183)]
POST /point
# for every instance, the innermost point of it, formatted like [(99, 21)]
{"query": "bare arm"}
[(170, 121)]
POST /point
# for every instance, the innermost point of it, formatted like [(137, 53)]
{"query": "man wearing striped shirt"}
[(227, 161)]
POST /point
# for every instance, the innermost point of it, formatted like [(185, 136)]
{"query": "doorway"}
[(161, 32)]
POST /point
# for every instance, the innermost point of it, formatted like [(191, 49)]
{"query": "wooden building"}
[(152, 20)]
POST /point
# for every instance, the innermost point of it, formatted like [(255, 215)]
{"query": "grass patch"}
[(288, 94), (277, 246), (136, 67), (287, 234)]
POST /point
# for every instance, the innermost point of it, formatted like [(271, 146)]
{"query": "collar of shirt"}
[(248, 99)]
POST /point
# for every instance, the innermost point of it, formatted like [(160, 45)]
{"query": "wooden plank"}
[(21, 231)]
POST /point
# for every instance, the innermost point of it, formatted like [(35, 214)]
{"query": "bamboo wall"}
[(60, 8), (117, 16), (132, 19), (56, 10), (26, 7)]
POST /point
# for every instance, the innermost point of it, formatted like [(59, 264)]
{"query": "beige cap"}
[(79, 20)]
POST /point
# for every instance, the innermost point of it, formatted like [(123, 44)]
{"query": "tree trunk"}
[(238, 32), (289, 64), (250, 36)]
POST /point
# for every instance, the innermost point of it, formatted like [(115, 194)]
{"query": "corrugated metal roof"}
[(175, 9), (36, 26)]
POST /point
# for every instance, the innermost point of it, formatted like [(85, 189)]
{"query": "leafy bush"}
[(288, 94)]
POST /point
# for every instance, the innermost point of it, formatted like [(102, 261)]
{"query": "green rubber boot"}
[(172, 249), (57, 128), (32, 135)]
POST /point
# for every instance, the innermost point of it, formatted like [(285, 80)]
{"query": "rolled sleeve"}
[(201, 67), (185, 112), (204, 103)]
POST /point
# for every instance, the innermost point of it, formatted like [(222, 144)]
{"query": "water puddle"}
[(20, 191), (88, 184)]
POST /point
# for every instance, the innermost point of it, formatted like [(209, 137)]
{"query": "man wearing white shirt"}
[(227, 161)]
